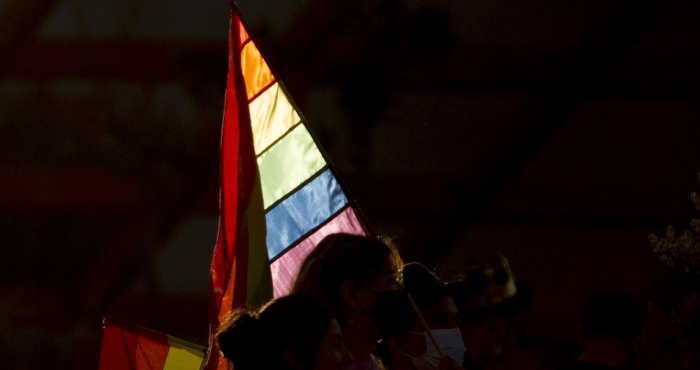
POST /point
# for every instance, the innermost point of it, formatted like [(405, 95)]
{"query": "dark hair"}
[(343, 257), (258, 339), (425, 287), (609, 312)]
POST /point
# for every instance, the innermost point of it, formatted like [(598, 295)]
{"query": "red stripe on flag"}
[(151, 354), (243, 36), (238, 170), (228, 284), (118, 349), (126, 346)]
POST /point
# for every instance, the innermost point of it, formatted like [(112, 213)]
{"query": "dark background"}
[(558, 133)]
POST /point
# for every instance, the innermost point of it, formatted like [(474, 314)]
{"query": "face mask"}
[(389, 312), (451, 344)]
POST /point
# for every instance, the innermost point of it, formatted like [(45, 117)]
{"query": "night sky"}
[(560, 134)]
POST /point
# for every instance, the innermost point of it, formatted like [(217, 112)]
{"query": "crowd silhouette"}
[(355, 305)]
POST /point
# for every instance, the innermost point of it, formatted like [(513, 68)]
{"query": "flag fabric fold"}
[(127, 346), (279, 193)]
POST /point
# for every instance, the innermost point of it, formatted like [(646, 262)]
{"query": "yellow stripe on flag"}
[(271, 115), (287, 164), (182, 356)]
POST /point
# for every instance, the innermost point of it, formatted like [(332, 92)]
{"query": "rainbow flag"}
[(279, 193), (126, 346)]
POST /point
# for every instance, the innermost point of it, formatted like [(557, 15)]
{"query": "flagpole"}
[(425, 325)]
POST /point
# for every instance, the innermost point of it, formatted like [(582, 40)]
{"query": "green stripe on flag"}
[(287, 164)]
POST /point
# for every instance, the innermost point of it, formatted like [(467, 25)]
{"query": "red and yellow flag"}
[(126, 346)]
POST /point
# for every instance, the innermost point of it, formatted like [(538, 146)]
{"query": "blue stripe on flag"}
[(301, 212)]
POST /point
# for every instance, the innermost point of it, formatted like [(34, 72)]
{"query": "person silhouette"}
[(609, 325)]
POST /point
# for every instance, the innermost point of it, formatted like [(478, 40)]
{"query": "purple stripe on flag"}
[(286, 267)]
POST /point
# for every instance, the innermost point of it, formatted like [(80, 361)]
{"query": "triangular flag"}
[(279, 193)]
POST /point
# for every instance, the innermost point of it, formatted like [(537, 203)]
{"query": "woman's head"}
[(359, 279), (341, 258), (293, 332)]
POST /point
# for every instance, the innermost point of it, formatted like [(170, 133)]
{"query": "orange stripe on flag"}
[(256, 73)]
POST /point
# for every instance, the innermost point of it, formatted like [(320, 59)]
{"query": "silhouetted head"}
[(358, 277), (339, 258), (294, 333), (610, 313), (492, 298)]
